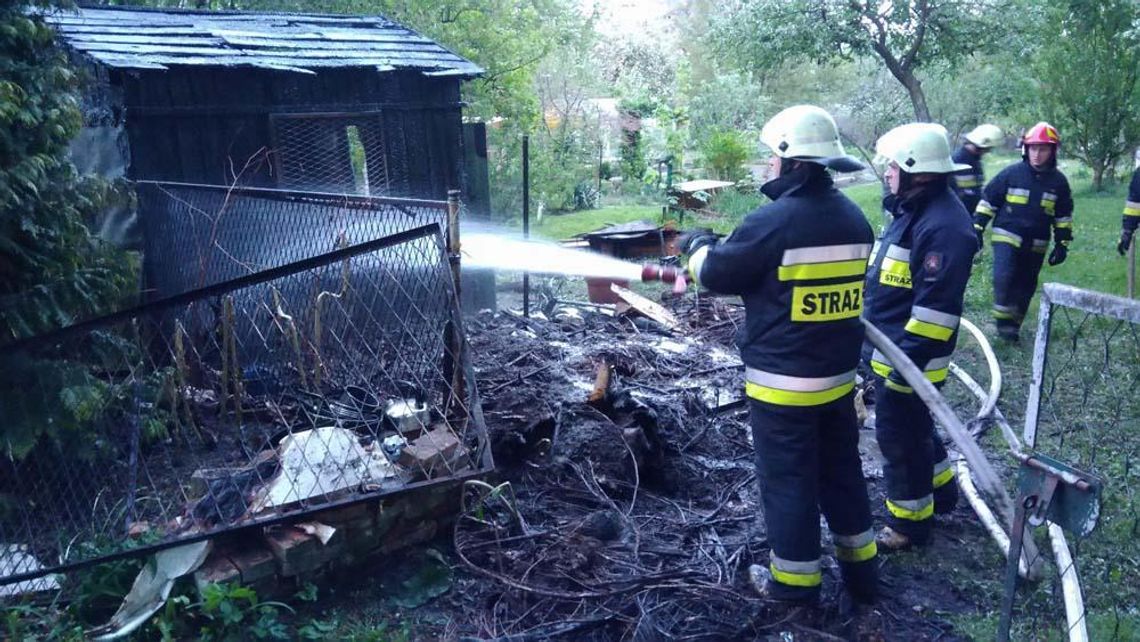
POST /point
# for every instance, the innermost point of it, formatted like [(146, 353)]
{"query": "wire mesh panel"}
[(328, 381), (332, 152), (199, 235), (1084, 410)]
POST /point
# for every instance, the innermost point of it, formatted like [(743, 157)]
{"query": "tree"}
[(905, 37), (52, 271), (1089, 70)]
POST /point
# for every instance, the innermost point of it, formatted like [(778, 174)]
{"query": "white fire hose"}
[(1070, 582)]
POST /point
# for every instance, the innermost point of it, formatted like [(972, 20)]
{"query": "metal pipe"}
[(1070, 580), (453, 245), (526, 217), (1131, 270)]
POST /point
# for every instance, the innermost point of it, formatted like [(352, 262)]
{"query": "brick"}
[(422, 506), (217, 569), (347, 514), (254, 564), (402, 538), (429, 451), (295, 551)]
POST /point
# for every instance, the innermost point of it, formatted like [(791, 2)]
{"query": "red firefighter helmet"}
[(1041, 134)]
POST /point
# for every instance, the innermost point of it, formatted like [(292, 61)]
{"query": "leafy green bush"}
[(725, 153), (52, 271), (734, 206)]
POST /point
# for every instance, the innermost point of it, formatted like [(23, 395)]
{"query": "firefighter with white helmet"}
[(914, 289), (798, 263), (1026, 201), (969, 182)]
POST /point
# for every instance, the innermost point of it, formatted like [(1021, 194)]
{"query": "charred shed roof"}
[(134, 38)]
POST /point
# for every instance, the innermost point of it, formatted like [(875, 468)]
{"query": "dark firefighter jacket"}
[(798, 263), (1024, 204), (917, 278), (1132, 205), (969, 182)]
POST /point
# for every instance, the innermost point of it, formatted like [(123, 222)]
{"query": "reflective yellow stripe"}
[(804, 271), (1131, 208), (966, 181), (898, 387), (779, 397), (1064, 223), (796, 579), (696, 262), (942, 478), (1002, 238), (1006, 312), (936, 369), (895, 273), (859, 554), (1017, 196), (929, 330), (914, 510), (978, 227), (984, 208)]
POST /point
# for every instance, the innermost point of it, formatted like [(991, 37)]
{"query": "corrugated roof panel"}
[(158, 39)]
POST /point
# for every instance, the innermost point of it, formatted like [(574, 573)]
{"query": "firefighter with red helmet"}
[(1026, 202)]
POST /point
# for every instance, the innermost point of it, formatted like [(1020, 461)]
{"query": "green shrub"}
[(725, 153)]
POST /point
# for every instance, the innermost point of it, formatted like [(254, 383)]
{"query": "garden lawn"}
[(557, 227)]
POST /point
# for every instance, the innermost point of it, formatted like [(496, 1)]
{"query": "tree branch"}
[(923, 13)]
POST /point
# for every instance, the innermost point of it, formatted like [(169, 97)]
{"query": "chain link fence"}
[(323, 382), (332, 152), (199, 235), (1084, 410)]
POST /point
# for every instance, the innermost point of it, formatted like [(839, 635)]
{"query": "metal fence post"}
[(1132, 271), (526, 218)]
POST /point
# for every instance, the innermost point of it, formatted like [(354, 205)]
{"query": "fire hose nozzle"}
[(665, 274)]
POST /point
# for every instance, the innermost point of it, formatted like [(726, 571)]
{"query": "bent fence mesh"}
[(199, 235), (335, 379), (1084, 410)]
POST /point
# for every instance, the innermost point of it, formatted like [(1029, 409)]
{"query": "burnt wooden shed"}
[(356, 104)]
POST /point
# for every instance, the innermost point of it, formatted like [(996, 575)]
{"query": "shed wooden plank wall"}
[(202, 125)]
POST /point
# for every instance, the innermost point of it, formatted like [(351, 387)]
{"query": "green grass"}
[(563, 226)]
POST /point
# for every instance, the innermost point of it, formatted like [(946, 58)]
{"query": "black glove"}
[(1125, 241), (1058, 255), (693, 240), (981, 238)]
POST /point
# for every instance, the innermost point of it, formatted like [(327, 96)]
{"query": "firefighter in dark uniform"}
[(798, 263), (915, 284), (1131, 214), (968, 182), (1025, 200)]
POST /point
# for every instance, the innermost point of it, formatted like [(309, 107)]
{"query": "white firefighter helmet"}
[(808, 133), (984, 136), (918, 148)]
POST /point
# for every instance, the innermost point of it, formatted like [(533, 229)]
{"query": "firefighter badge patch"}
[(932, 265)]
